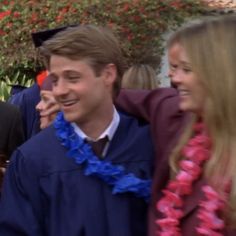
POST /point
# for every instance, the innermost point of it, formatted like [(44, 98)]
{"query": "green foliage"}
[(138, 23), (6, 83)]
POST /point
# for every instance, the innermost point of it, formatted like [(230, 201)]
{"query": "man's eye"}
[(73, 79), (72, 76)]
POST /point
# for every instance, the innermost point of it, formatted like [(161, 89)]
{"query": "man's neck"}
[(95, 127)]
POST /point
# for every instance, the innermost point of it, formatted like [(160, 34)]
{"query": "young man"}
[(56, 185)]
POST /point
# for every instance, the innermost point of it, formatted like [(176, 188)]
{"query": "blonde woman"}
[(140, 76), (194, 188)]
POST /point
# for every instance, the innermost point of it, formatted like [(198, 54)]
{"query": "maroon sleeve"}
[(159, 107), (144, 103)]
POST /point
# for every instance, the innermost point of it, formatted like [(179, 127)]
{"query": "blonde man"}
[(63, 182)]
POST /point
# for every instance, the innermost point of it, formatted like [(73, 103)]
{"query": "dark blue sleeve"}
[(17, 214), (27, 100)]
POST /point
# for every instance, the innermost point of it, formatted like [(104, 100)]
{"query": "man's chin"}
[(70, 118)]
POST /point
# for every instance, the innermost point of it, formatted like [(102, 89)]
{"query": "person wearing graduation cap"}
[(88, 174), (28, 98)]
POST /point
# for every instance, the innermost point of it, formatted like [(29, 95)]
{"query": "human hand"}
[(51, 107)]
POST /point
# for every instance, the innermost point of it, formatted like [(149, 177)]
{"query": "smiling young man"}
[(58, 183)]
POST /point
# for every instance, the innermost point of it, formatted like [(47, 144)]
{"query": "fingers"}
[(50, 109)]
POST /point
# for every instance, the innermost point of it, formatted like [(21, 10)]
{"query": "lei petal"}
[(140, 187), (114, 175), (195, 153)]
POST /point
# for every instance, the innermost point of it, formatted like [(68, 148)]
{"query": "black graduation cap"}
[(41, 36)]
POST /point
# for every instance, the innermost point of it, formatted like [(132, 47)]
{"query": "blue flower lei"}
[(82, 153)]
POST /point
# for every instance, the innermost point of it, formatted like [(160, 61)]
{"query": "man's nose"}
[(60, 88)]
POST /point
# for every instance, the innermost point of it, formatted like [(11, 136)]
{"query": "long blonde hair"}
[(211, 49), (140, 76)]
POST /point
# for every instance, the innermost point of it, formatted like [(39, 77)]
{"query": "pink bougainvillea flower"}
[(4, 14), (2, 32), (16, 14)]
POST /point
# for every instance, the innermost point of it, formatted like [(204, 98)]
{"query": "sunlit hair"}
[(140, 76), (97, 45), (211, 49)]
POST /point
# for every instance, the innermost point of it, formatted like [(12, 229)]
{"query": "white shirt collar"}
[(110, 130)]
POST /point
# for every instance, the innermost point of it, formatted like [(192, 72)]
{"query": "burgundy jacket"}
[(160, 108)]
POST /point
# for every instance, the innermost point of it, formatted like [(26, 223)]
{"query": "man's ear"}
[(109, 74)]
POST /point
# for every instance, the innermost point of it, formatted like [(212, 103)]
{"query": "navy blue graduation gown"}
[(46, 193), (27, 100)]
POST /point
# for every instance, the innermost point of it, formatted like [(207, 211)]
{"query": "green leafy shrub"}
[(138, 23)]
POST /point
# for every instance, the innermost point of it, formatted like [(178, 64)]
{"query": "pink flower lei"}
[(196, 152)]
